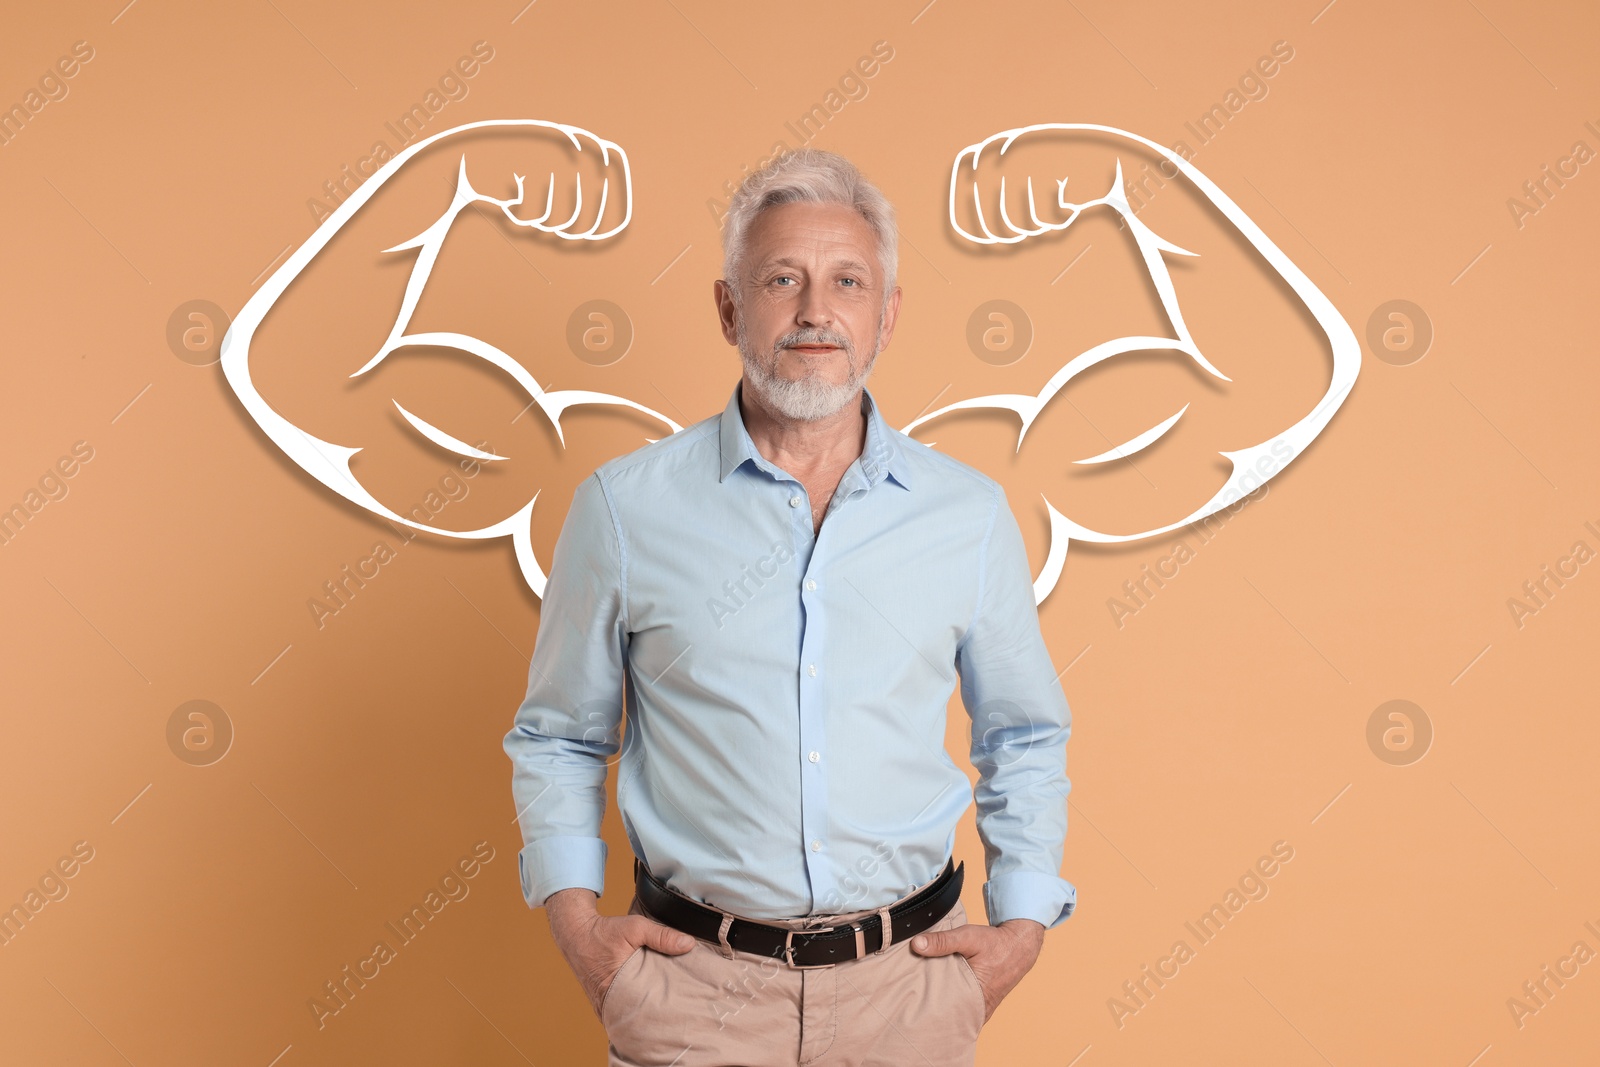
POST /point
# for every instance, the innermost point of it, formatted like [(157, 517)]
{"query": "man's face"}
[(810, 316)]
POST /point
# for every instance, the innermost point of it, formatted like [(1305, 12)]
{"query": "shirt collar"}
[(881, 456)]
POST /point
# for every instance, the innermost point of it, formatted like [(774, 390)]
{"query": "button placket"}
[(812, 740)]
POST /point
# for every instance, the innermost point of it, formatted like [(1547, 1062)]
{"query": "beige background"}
[(1227, 714)]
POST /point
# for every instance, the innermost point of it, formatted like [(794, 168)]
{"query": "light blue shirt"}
[(786, 693)]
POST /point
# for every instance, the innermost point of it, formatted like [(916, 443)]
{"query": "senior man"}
[(781, 599)]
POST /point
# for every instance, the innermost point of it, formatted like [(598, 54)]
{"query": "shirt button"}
[(814, 757), (811, 583), (816, 846), (795, 501), (811, 669)]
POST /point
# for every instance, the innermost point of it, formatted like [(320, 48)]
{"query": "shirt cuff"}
[(552, 864), (1044, 898)]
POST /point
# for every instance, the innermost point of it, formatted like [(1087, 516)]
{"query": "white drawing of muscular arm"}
[(985, 211), (553, 180)]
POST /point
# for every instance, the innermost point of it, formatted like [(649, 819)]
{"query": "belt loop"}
[(888, 929), (722, 937)]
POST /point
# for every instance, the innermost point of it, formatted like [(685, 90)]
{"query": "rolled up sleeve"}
[(568, 726), (1020, 726)]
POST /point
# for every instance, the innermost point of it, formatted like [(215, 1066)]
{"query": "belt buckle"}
[(788, 948)]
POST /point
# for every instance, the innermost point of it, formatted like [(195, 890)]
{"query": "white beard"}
[(812, 397)]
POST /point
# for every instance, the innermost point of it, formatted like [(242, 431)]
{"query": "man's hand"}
[(999, 955), (596, 946)]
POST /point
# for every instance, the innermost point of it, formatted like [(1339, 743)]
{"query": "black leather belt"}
[(820, 946)]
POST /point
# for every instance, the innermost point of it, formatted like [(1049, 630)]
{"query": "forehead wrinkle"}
[(845, 263), (836, 236)]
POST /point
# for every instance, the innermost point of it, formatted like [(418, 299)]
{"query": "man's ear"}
[(727, 310), (891, 316)]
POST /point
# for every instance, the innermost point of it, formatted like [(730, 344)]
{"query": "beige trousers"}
[(702, 1009)]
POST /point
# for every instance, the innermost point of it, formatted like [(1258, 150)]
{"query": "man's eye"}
[(852, 281), (782, 278)]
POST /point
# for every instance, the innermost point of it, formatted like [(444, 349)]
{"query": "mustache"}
[(815, 336)]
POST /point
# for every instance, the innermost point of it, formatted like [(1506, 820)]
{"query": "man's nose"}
[(814, 309)]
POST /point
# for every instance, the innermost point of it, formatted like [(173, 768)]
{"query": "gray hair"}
[(808, 175)]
